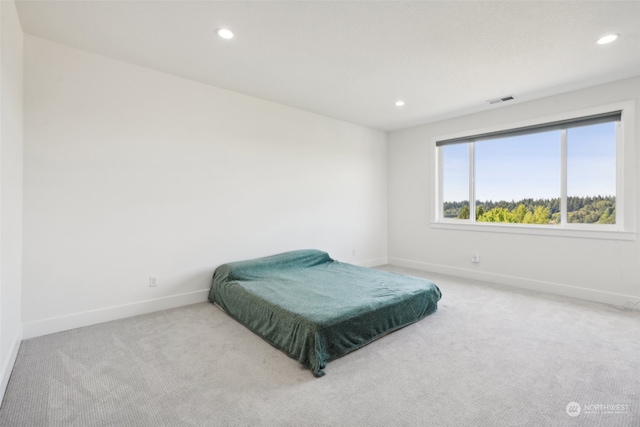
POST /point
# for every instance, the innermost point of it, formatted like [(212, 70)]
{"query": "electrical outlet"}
[(153, 281), (475, 258)]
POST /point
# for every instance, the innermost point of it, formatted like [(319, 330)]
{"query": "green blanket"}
[(315, 308)]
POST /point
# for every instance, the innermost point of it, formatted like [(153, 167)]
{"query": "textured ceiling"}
[(353, 60)]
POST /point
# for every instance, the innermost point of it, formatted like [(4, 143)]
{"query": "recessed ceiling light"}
[(607, 39), (399, 103), (225, 33)]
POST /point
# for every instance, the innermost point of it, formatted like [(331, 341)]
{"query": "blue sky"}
[(529, 166)]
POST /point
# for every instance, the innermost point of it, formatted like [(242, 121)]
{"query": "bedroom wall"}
[(11, 140), (595, 269), (131, 173)]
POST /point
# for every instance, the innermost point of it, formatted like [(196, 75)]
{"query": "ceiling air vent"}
[(499, 100)]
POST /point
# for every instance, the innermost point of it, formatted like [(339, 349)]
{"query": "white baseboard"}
[(7, 368), (524, 283), (92, 317), (371, 262)]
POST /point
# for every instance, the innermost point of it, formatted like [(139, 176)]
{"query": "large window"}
[(557, 174)]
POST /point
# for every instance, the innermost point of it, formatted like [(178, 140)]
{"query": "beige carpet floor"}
[(490, 356)]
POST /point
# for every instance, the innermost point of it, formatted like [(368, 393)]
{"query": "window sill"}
[(602, 232)]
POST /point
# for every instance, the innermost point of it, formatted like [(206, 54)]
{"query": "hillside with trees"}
[(581, 210)]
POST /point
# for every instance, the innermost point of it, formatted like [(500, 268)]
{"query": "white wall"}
[(130, 172), (10, 189), (595, 269)]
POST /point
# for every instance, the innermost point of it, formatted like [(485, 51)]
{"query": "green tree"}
[(541, 215), (498, 214), (519, 213), (464, 212)]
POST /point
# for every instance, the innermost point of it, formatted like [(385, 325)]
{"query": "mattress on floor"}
[(315, 308)]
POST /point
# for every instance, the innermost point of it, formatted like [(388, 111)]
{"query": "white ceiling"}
[(352, 60)]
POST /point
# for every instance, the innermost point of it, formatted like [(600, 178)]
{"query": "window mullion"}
[(563, 177), (472, 182)]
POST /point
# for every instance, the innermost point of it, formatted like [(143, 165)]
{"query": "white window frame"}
[(624, 229)]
